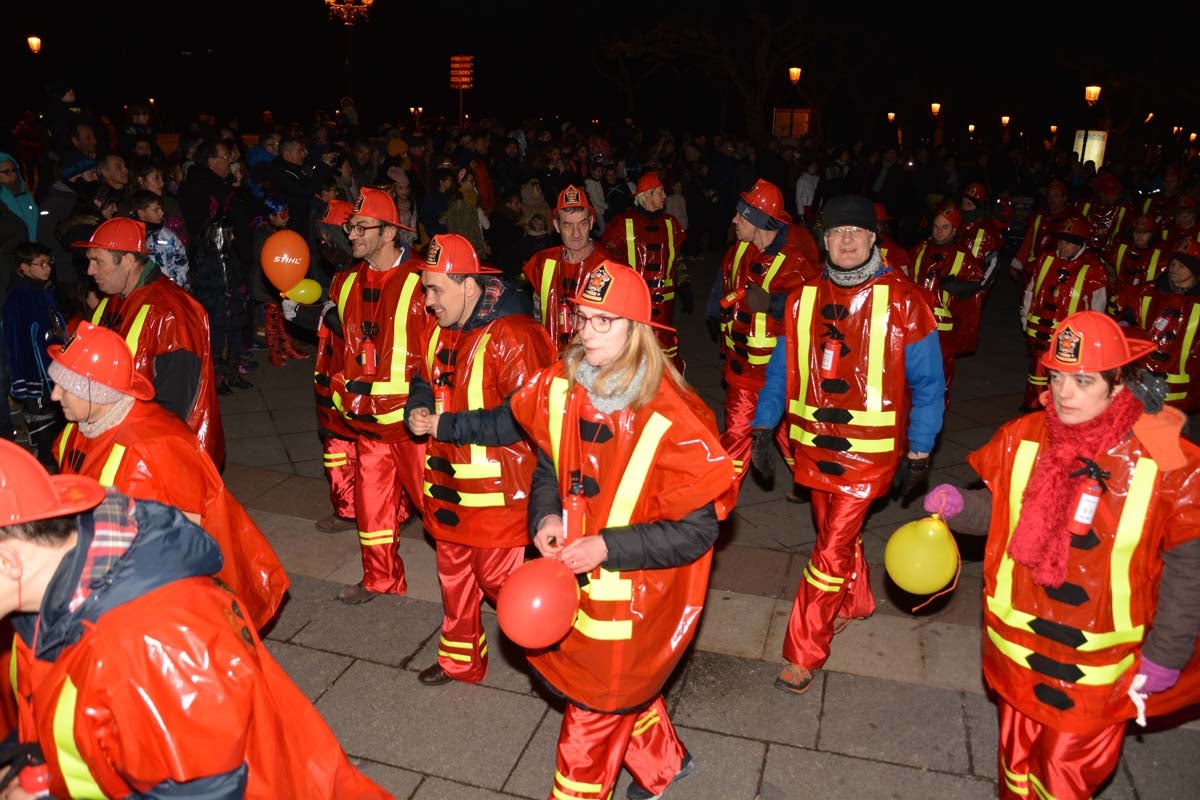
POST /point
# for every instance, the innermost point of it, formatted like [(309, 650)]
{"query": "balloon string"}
[(957, 573)]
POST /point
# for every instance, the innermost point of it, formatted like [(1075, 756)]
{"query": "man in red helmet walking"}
[(771, 258), (1070, 279), (167, 331), (483, 348)]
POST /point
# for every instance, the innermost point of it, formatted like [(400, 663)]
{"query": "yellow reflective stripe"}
[(1189, 338), (98, 314), (462, 657), (12, 670), (1033, 238), (473, 499), (1152, 267), (1077, 292), (634, 479), (975, 245), (344, 295), (874, 419), (558, 411), (447, 647), (336, 459), (64, 438), (399, 383), (772, 271), (1018, 477), (113, 463), (822, 581), (630, 243), (373, 538), (646, 722), (1091, 675), (876, 348), (1017, 782), (480, 466), (1037, 290), (808, 299), (544, 289), (605, 630), (1120, 258), (1092, 642), (737, 263), (75, 772), (1129, 533), (574, 786), (857, 445), (1040, 789), (668, 273), (135, 330)]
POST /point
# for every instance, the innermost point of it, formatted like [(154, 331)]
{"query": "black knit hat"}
[(849, 209)]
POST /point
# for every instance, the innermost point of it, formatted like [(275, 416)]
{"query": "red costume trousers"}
[(1039, 761), (835, 579), (341, 461), (592, 747), (388, 483), (741, 400), (465, 575)]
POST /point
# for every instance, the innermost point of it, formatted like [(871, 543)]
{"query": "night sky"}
[(535, 59)]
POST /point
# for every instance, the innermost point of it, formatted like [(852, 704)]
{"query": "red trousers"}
[(465, 575), (341, 460), (388, 486), (592, 746), (835, 579), (741, 402), (1038, 762)]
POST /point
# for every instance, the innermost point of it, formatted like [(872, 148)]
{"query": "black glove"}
[(913, 478), (714, 329), (762, 453), (757, 300), (686, 297)]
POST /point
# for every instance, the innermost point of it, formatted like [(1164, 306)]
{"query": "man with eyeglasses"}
[(770, 258), (483, 348), (556, 272), (858, 372), (376, 312), (297, 181)]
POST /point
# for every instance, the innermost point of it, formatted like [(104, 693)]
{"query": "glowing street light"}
[(1091, 94), (891, 116), (794, 74), (1149, 117), (35, 44), (935, 109), (971, 127), (1053, 129), (1004, 121)]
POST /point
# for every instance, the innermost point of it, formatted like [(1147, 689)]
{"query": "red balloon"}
[(285, 259), (537, 603)]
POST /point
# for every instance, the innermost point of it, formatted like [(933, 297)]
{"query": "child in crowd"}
[(168, 252)]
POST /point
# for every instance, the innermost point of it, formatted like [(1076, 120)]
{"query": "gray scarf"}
[(109, 419), (859, 275), (607, 400)]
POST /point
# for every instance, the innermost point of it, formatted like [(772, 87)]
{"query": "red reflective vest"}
[(1135, 266), (1172, 322), (957, 318), (1039, 237), (1066, 656), (331, 349), (384, 313), (1059, 288), (151, 455), (158, 318), (476, 495), (1108, 222), (848, 427), (661, 462), (650, 243), (554, 281), (748, 338), (893, 254)]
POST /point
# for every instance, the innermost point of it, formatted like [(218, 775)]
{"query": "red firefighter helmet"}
[(453, 255), (1145, 223), (766, 197), (1074, 229), (573, 197), (101, 355), (977, 192), (28, 493), (119, 233), (1107, 184), (1185, 201), (951, 213), (1190, 250), (1089, 341), (881, 213)]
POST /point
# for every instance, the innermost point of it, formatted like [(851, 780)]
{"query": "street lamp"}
[(1091, 94), (970, 127), (794, 74), (935, 109), (349, 12), (1004, 121), (416, 112), (1149, 117), (891, 116), (35, 44)]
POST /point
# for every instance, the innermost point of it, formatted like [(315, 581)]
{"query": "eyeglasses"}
[(358, 230), (846, 230), (600, 322), (225, 157)]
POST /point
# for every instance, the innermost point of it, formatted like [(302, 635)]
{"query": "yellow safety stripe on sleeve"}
[(821, 580), (473, 499), (75, 772), (604, 630), (646, 722), (113, 463), (374, 538), (98, 314), (558, 411), (630, 243), (857, 445), (548, 268), (64, 439), (574, 786), (1090, 675)]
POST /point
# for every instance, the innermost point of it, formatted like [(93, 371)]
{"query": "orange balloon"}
[(285, 259), (537, 604)]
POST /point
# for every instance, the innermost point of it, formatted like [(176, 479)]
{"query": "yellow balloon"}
[(921, 557), (305, 292)]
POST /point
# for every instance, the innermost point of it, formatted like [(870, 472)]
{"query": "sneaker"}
[(638, 792), (795, 679)]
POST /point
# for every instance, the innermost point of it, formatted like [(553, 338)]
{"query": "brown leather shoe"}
[(334, 524), (356, 595), (434, 675), (795, 679)]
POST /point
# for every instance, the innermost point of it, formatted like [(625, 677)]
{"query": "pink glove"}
[(944, 500), (1158, 679)]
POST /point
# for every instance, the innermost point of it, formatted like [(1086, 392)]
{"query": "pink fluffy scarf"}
[(1041, 541)]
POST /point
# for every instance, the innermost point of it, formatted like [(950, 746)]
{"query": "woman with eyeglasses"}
[(630, 483)]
